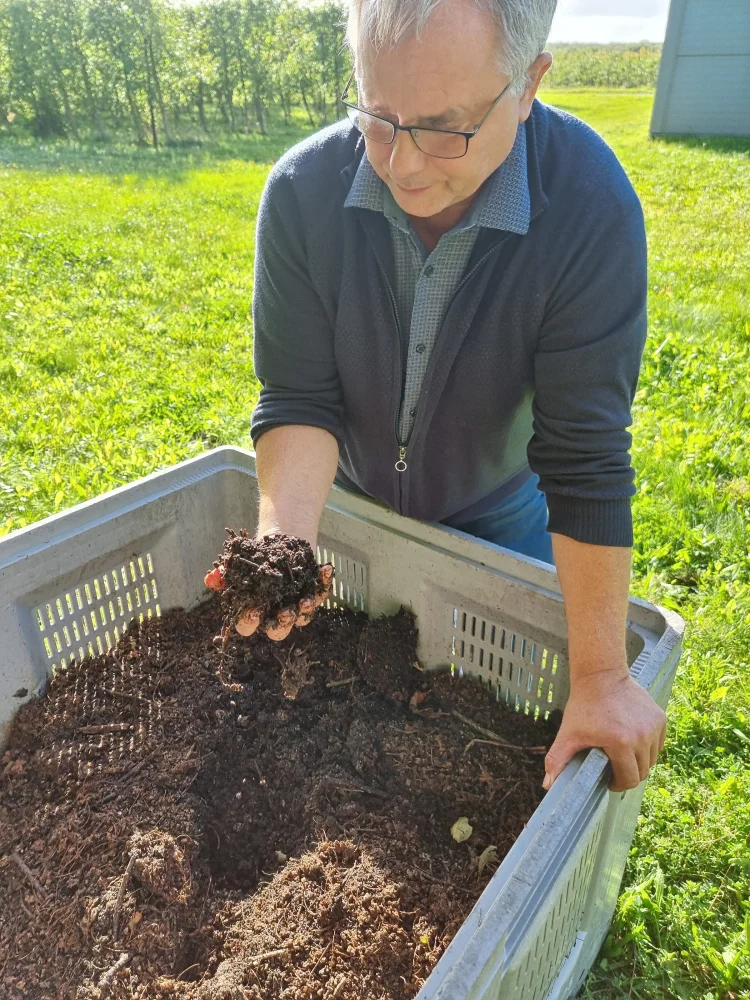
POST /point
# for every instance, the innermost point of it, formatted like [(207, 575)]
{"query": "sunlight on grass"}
[(125, 346), (125, 327), (683, 922)]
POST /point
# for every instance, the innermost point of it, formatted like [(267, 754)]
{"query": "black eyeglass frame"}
[(418, 128)]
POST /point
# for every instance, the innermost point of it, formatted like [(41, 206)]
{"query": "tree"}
[(79, 68)]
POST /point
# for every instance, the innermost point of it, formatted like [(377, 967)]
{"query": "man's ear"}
[(535, 72)]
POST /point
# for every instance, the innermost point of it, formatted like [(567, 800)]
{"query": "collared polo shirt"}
[(426, 282)]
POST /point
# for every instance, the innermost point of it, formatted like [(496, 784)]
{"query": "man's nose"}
[(406, 157)]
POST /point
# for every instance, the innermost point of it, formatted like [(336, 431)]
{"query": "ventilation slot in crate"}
[(89, 619), (522, 672), (349, 580), (532, 977)]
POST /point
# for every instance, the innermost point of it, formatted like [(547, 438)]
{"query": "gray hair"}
[(524, 28)]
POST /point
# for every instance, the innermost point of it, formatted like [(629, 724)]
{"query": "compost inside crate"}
[(277, 821)]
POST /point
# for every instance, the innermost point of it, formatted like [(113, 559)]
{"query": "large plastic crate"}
[(70, 584)]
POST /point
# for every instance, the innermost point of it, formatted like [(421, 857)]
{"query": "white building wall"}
[(704, 79)]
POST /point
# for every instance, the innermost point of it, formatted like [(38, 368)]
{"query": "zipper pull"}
[(401, 464)]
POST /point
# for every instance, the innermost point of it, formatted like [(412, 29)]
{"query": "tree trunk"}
[(90, 99), (153, 122), (201, 106), (131, 99), (151, 61), (307, 106), (260, 114), (223, 105), (69, 116), (243, 85), (228, 88)]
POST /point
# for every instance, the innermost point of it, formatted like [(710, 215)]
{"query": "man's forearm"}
[(296, 467), (595, 581), (606, 707)]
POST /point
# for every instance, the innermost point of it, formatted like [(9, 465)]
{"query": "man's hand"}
[(608, 709), (249, 620)]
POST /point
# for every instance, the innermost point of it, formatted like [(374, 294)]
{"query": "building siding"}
[(704, 80)]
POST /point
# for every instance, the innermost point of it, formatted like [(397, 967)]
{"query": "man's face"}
[(449, 80)]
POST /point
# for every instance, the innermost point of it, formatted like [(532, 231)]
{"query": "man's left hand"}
[(608, 709)]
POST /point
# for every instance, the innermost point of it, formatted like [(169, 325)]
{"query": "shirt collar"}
[(503, 203)]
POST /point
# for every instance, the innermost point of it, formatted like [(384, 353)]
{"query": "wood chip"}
[(21, 864), (112, 971), (267, 954), (121, 896)]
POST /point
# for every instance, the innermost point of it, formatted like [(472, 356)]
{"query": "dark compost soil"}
[(270, 822), (268, 574)]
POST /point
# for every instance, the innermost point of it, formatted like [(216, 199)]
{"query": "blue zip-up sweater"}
[(536, 363)]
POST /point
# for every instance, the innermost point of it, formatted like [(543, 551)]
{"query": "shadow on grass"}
[(715, 143), (115, 158)]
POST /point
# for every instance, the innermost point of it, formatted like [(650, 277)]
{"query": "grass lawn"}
[(125, 346)]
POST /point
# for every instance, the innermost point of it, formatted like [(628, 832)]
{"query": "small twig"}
[(322, 956), (195, 965), (137, 768), (187, 787), (121, 896), (441, 881), (267, 954), (493, 737), (20, 863), (335, 684), (360, 790), (111, 727), (503, 746), (489, 743), (112, 971), (509, 792), (125, 779), (247, 562)]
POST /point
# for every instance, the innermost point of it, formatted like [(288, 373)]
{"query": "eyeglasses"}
[(446, 144)]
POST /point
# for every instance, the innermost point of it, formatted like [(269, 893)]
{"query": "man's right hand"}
[(248, 620), (296, 466)]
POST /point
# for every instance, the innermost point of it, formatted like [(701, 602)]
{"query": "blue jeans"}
[(519, 522)]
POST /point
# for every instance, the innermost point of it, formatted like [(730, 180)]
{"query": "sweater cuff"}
[(595, 521), (302, 416)]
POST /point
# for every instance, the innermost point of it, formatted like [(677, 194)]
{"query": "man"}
[(449, 310)]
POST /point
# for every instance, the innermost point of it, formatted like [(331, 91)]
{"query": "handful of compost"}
[(271, 583)]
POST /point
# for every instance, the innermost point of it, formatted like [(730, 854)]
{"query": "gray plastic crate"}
[(70, 584)]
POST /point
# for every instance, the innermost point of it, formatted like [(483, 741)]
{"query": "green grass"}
[(683, 923), (125, 346), (125, 313)]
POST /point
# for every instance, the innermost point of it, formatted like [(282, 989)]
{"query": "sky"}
[(610, 21), (604, 20)]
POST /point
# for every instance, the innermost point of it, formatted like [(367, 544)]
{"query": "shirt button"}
[(428, 270), (413, 412), (420, 348)]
